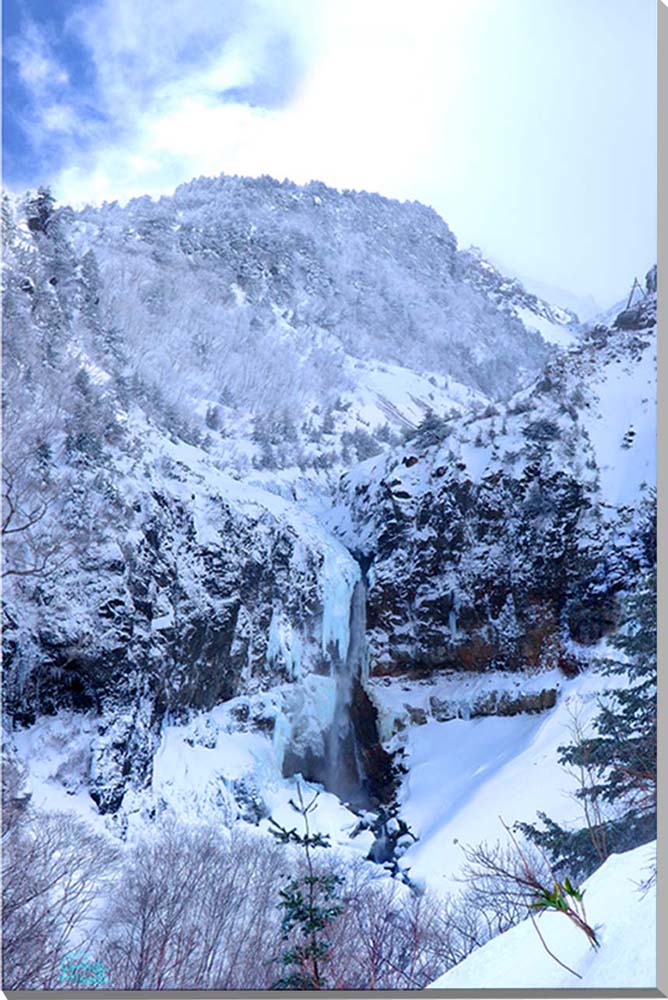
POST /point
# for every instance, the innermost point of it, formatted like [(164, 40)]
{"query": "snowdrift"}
[(623, 915)]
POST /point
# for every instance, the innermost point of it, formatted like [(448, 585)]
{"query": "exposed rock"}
[(504, 703), (379, 766), (442, 710), (417, 716), (479, 558)]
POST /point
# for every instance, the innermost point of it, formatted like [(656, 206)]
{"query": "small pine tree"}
[(431, 430), (213, 418), (309, 905), (328, 424), (621, 756), (623, 751)]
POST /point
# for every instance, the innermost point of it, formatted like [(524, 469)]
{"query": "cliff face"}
[(198, 590), (501, 540)]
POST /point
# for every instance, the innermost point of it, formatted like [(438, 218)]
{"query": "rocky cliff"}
[(501, 540)]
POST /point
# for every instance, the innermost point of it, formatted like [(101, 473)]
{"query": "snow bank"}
[(464, 774), (56, 753), (552, 331), (623, 915), (400, 396)]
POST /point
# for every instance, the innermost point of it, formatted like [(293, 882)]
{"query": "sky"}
[(529, 125)]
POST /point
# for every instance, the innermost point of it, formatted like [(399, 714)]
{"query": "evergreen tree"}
[(620, 758), (431, 430), (309, 905), (623, 751), (39, 210)]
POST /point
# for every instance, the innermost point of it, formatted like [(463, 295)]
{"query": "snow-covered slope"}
[(286, 328), (555, 324), (584, 307), (621, 911), (478, 749), (306, 276)]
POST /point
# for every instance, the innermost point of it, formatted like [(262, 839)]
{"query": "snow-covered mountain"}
[(293, 487), (291, 326), (500, 539)]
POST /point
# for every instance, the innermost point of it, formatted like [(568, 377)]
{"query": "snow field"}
[(465, 774)]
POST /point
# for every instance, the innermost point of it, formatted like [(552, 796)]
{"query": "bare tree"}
[(587, 779), (387, 935), (55, 870), (195, 909), (518, 881), (27, 549), (32, 420)]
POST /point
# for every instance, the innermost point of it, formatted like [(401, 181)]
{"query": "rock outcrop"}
[(501, 540)]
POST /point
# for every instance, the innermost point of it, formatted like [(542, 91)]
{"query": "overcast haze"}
[(528, 124)]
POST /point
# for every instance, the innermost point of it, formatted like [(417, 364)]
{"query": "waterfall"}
[(343, 770), (350, 761)]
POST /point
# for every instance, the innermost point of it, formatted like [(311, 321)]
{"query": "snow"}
[(328, 817), (56, 752), (477, 459), (625, 402), (464, 774), (623, 915), (392, 393), (553, 332), (460, 690), (193, 780)]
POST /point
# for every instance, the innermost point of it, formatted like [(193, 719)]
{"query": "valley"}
[(308, 498)]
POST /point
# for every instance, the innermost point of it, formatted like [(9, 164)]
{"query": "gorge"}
[(310, 495)]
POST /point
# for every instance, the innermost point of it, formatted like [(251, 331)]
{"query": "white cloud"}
[(60, 118), (374, 80), (38, 68)]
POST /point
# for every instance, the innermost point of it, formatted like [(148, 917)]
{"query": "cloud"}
[(345, 92), (174, 82), (60, 118), (38, 68)]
